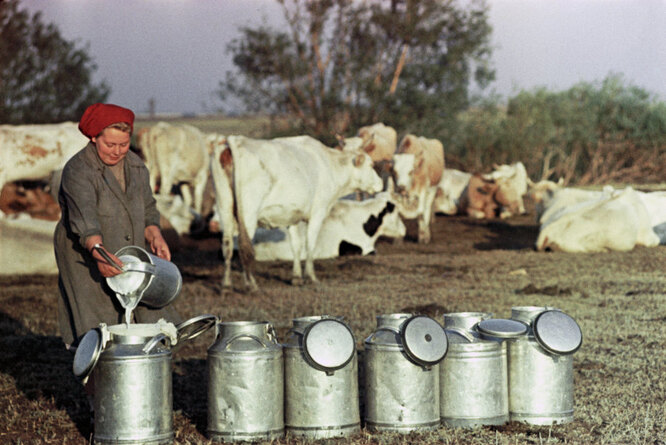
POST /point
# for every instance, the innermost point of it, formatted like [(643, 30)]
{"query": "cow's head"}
[(365, 177)]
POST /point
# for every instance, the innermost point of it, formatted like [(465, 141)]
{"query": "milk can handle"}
[(140, 267), (386, 328), (253, 337), (154, 342)]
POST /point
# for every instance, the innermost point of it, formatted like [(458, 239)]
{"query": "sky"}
[(174, 51)]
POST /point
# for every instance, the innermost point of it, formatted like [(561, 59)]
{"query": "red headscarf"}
[(99, 116)]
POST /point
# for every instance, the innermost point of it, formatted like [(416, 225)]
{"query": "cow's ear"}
[(341, 142), (359, 159)]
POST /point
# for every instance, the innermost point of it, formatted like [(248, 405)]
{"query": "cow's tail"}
[(245, 247)]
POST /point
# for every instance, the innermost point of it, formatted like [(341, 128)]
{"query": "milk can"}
[(321, 378), (131, 369), (541, 366), (245, 383), (473, 376), (401, 364)]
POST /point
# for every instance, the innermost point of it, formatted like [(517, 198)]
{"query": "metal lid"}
[(502, 328), (328, 344), (424, 340), (87, 353), (557, 332), (194, 327)]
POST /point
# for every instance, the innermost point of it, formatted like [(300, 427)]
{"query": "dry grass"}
[(617, 298)]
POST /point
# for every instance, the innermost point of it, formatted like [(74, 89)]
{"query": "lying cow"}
[(281, 183), (177, 155), (614, 220), (512, 184), (33, 152), (418, 166), (352, 226)]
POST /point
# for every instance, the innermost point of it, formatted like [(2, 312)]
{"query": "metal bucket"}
[(473, 376), (321, 379), (245, 383), (401, 363), (131, 369), (155, 281), (541, 366)]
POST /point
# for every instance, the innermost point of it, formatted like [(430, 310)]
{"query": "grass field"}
[(617, 298)]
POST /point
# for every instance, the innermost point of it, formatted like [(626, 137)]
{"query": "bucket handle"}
[(140, 267), (253, 337), (155, 341)]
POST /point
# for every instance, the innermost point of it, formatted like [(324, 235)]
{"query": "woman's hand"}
[(105, 268), (157, 243)]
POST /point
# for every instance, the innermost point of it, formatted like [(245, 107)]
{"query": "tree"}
[(43, 78), (341, 64)]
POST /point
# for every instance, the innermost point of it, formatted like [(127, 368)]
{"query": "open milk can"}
[(401, 363), (473, 376), (131, 369), (321, 379), (245, 383), (541, 366)]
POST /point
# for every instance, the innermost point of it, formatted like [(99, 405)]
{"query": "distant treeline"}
[(589, 134)]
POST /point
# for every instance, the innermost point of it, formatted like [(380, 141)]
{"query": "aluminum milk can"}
[(245, 383), (541, 366), (321, 379), (473, 376), (401, 362), (131, 368)]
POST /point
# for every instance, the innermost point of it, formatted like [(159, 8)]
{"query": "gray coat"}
[(93, 203)]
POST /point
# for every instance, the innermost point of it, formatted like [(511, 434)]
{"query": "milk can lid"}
[(328, 344), (87, 353), (195, 326), (424, 340), (502, 328), (557, 332)]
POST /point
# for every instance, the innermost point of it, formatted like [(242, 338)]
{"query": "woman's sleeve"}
[(81, 203)]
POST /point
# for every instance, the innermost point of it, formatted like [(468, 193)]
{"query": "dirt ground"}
[(617, 299)]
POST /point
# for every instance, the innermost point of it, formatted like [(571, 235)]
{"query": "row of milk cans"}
[(413, 374)]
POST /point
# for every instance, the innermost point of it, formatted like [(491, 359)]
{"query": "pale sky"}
[(175, 50)]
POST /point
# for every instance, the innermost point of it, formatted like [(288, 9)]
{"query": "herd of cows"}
[(294, 198)]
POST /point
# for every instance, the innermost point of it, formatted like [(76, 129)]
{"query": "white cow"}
[(450, 190), (512, 182), (615, 220), (33, 152), (26, 246), (177, 154), (356, 225), (281, 183), (418, 166)]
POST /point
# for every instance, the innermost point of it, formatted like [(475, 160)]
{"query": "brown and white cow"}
[(33, 152), (282, 183), (177, 154), (418, 165)]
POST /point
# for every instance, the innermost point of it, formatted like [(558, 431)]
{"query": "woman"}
[(106, 201)]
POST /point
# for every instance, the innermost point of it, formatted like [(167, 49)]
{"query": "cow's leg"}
[(426, 216), (313, 228), (186, 194), (199, 188), (296, 243), (227, 255)]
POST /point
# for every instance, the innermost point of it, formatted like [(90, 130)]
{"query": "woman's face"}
[(112, 145)]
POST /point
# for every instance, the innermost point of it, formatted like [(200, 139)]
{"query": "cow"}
[(655, 204), (177, 155), (479, 199), (27, 246), (351, 227), (418, 165), (34, 201), (33, 152), (280, 183), (615, 220), (449, 191), (552, 198), (512, 181)]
